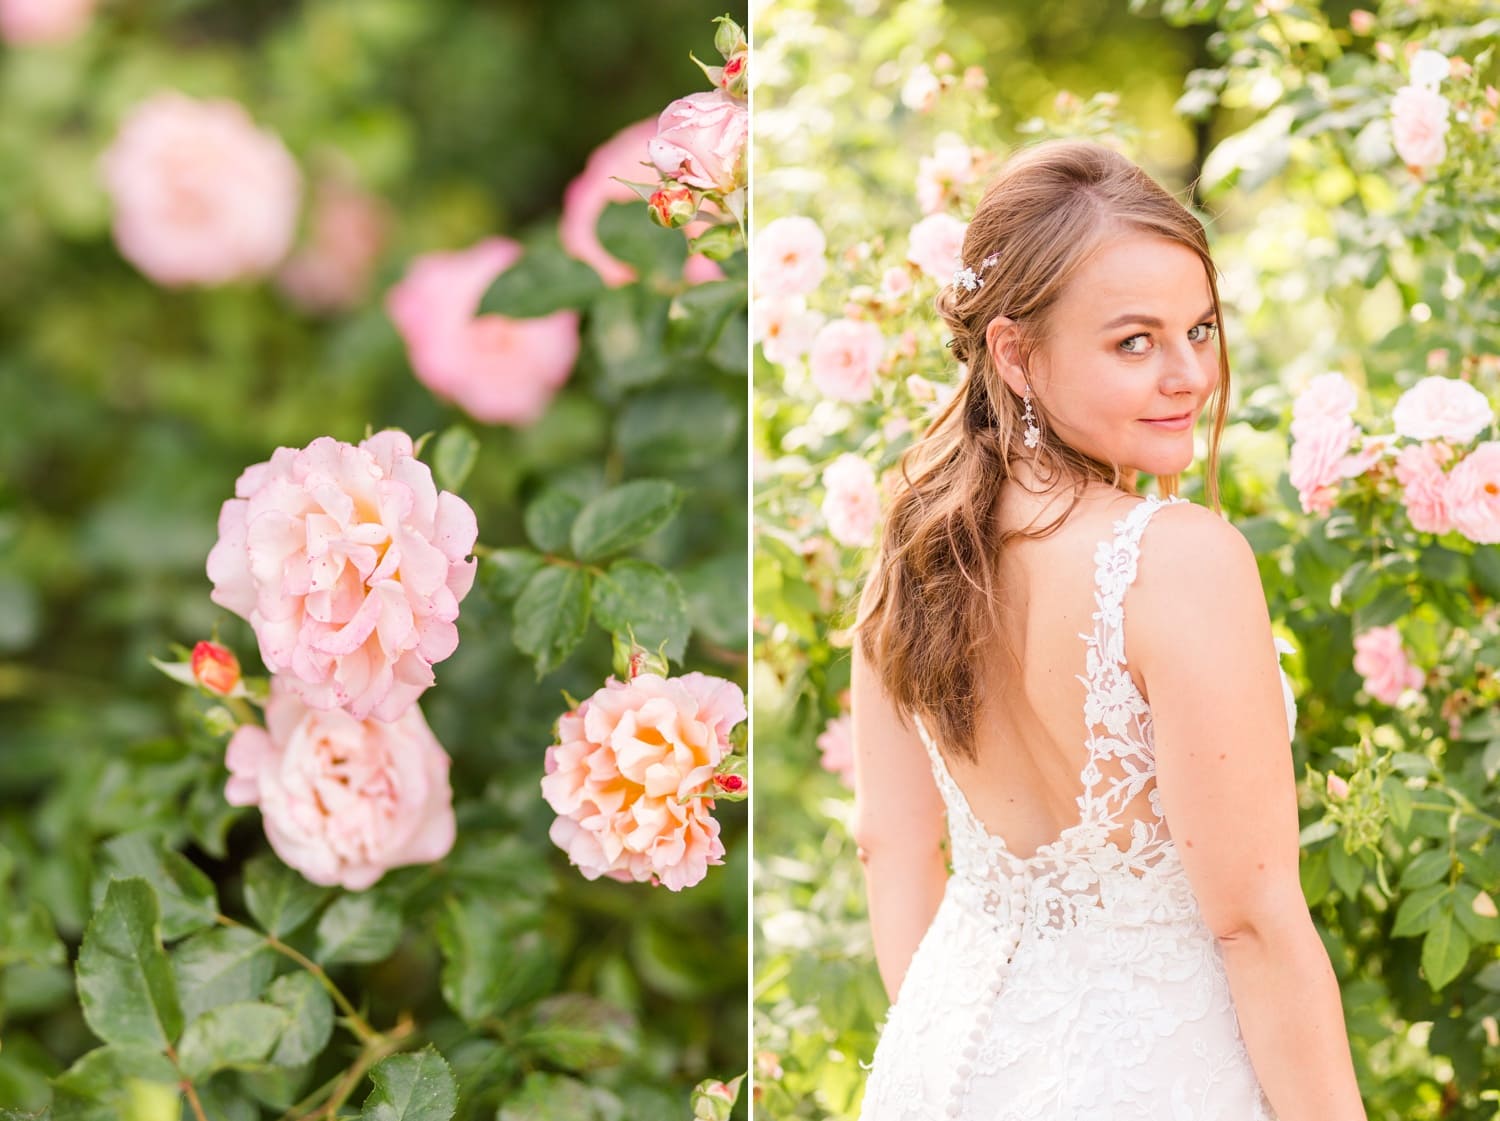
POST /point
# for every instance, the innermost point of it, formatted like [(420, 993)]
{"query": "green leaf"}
[(680, 430), (186, 895), (1419, 910), (699, 315), (546, 279), (1482, 928), (358, 928), (549, 517), (641, 599), (1316, 831), (1348, 873), (1314, 874), (479, 983), (221, 966), (625, 335), (1444, 950), (238, 1035), (309, 1014), (505, 571), (628, 234), (1444, 566), (415, 1087), (1425, 868), (550, 1097), (551, 616), (580, 1033), (1485, 564), (453, 457), (104, 1077), (717, 594), (278, 898), (125, 983), (622, 516), (1397, 799)]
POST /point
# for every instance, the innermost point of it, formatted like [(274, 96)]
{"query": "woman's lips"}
[(1172, 424)]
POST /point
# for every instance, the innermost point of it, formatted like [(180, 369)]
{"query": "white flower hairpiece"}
[(970, 280)]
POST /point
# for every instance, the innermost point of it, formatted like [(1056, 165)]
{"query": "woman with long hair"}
[(1083, 681)]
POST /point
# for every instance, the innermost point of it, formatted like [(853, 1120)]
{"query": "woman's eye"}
[(1208, 331), (1128, 348)]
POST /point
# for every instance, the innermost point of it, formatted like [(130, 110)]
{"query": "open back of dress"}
[(1080, 981)]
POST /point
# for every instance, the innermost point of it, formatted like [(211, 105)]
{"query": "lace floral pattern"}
[(1080, 982)]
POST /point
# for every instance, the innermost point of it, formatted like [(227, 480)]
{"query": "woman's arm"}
[(898, 825), (1198, 631)]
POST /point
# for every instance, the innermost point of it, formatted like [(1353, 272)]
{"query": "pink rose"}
[(1327, 397), (788, 257), (895, 282), (34, 22), (1380, 659), (700, 141), (851, 504), (343, 800), (785, 328), (332, 271), (1318, 460), (836, 745), (1419, 121), (624, 771), (1473, 494), (1440, 408), (844, 357), (1425, 488), (919, 92), (498, 370), (1338, 789), (201, 196), (935, 245), (622, 156), (953, 164), (350, 565)]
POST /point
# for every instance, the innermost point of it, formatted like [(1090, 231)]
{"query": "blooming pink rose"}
[(624, 771), (788, 257), (935, 245), (201, 196), (700, 141), (33, 22), (1473, 494), (851, 503), (785, 328), (836, 745), (1318, 460), (953, 164), (350, 565), (1327, 396), (343, 800), (844, 357), (622, 156), (1425, 493), (1419, 122), (895, 282), (1440, 408), (332, 271), (1380, 659), (921, 89), (498, 370)]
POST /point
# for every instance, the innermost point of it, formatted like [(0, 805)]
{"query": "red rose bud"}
[(215, 668), (730, 784), (733, 74), (673, 207)]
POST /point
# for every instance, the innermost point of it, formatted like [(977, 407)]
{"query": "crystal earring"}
[(1033, 433)]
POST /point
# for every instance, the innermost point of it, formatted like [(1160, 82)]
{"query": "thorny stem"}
[(187, 1086), (342, 1085)]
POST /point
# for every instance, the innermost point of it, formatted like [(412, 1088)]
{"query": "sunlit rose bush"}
[(845, 357), (789, 258), (350, 565), (935, 246), (1439, 408), (1381, 660)]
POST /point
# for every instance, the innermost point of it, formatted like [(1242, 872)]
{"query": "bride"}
[(1083, 681)]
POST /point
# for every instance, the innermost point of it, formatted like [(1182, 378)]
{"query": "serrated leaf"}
[(1418, 910), (358, 928), (505, 571), (98, 1075), (551, 616), (477, 982), (238, 1035), (221, 966), (453, 457), (643, 600), (622, 516), (125, 984), (1444, 950), (185, 894), (415, 1087), (549, 518), (309, 1012), (278, 898), (546, 279)]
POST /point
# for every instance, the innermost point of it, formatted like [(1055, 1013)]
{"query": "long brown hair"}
[(931, 604)]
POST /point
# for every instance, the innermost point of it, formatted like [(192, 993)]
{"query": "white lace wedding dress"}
[(1082, 982)]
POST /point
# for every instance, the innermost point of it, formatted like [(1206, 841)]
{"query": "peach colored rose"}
[(1380, 659), (836, 745), (1473, 494), (1425, 488), (935, 244), (700, 141), (1439, 408), (844, 358), (201, 196), (623, 773), (622, 156), (332, 272), (36, 22), (785, 328), (1419, 122), (1318, 460), (350, 565), (1327, 396), (498, 370), (343, 800), (788, 257), (851, 503)]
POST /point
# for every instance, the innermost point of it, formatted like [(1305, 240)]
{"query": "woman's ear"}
[(1002, 338)]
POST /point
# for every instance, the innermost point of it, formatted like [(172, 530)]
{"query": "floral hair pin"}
[(970, 280)]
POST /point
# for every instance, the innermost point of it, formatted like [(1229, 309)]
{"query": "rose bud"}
[(733, 75), (730, 784), (1337, 787), (729, 39), (215, 668), (673, 207)]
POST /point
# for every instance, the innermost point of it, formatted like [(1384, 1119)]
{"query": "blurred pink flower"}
[(700, 141), (343, 800), (1338, 789), (1327, 397), (845, 355), (622, 156), (851, 502), (788, 257), (201, 196), (332, 271), (498, 370), (836, 745), (1380, 659), (1419, 121), (953, 164), (1439, 408), (920, 90), (1473, 494), (1318, 460), (895, 282), (36, 22), (785, 328), (622, 775), (935, 245), (1419, 470), (349, 565)]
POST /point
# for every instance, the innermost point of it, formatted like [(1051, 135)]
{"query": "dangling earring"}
[(1033, 433)]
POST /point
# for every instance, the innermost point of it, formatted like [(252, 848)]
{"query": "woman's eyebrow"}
[(1146, 320)]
